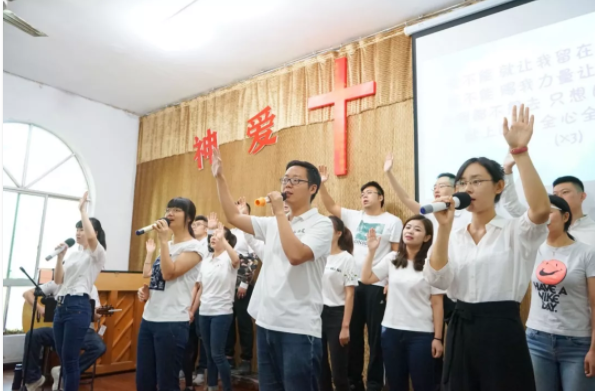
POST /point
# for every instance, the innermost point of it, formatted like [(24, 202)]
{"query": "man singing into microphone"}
[(290, 283)]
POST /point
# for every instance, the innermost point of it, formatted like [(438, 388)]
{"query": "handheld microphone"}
[(462, 201), (69, 243), (262, 201), (149, 228)]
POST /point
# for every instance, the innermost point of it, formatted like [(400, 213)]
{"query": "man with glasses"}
[(444, 186), (369, 300), (289, 328)]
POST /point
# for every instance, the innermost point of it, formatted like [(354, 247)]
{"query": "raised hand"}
[(388, 162), (217, 166), (243, 209), (323, 170), (220, 233), (373, 240), (213, 221), (508, 163), (83, 201), (521, 128), (150, 245)]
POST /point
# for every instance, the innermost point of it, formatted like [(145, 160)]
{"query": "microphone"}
[(462, 201), (69, 243), (262, 201), (149, 228)]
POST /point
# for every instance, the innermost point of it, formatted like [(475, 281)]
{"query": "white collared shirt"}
[(498, 268), (291, 296), (582, 229), (218, 280)]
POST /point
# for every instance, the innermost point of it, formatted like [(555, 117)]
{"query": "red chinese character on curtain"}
[(260, 128), (204, 148)]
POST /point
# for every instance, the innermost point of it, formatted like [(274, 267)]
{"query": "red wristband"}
[(516, 151)]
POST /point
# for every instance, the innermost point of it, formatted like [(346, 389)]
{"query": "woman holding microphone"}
[(164, 329), (77, 275)]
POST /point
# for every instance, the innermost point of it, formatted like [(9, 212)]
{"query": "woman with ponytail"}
[(163, 331), (562, 316), (412, 323), (338, 287), (77, 275)]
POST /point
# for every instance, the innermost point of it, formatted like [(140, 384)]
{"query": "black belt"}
[(466, 313)]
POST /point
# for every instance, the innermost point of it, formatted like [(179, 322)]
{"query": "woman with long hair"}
[(486, 267), (164, 329), (217, 281), (562, 316), (412, 323), (338, 288), (77, 275)]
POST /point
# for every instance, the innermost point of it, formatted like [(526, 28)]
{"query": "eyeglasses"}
[(474, 183), (173, 210), (442, 186), (293, 181), (366, 193)]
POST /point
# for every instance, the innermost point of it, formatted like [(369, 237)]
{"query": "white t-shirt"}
[(559, 293), (81, 270), (408, 305), (169, 301), (339, 272), (218, 280), (387, 226), (241, 246), (51, 289), (291, 296)]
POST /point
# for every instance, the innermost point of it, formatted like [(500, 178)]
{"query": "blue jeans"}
[(558, 359), (408, 353), (202, 353), (71, 323), (159, 355), (213, 330), (287, 362)]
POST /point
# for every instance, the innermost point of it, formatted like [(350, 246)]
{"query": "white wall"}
[(105, 140)]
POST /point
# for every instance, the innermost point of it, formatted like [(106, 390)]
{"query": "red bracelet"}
[(516, 151)]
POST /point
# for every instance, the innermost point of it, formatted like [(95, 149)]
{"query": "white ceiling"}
[(139, 55)]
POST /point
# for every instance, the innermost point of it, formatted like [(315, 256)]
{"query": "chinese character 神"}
[(204, 148), (260, 128)]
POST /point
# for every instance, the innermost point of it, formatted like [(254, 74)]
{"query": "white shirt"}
[(582, 229), (169, 301), (291, 296), (258, 247), (339, 272), (218, 280), (408, 305), (81, 270), (461, 220), (241, 246), (50, 288), (496, 269), (386, 225), (559, 291)]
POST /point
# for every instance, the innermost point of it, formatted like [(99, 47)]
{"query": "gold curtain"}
[(385, 58)]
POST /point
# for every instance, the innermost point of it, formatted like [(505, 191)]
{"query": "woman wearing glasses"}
[(486, 267), (164, 329)]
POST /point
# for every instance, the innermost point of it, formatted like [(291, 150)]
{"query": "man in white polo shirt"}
[(288, 321)]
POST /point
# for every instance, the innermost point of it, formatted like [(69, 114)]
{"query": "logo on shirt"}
[(550, 274), (300, 231), (157, 282), (363, 229)]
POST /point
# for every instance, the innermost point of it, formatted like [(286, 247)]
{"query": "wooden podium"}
[(117, 288)]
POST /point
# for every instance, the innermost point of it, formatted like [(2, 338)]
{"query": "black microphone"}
[(69, 242), (149, 228), (462, 201)]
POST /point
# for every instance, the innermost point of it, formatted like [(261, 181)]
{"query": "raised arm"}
[(409, 202), (147, 266), (330, 204), (518, 136), (90, 234), (445, 218), (233, 255), (510, 200), (243, 222)]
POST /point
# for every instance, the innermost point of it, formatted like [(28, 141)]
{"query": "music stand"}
[(36, 293)]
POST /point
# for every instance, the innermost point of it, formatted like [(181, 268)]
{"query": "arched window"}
[(42, 182)]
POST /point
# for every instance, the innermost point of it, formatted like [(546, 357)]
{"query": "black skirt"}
[(486, 349)]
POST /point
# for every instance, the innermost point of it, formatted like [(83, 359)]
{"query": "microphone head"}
[(70, 242), (464, 200), (284, 196), (260, 201), (166, 220)]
